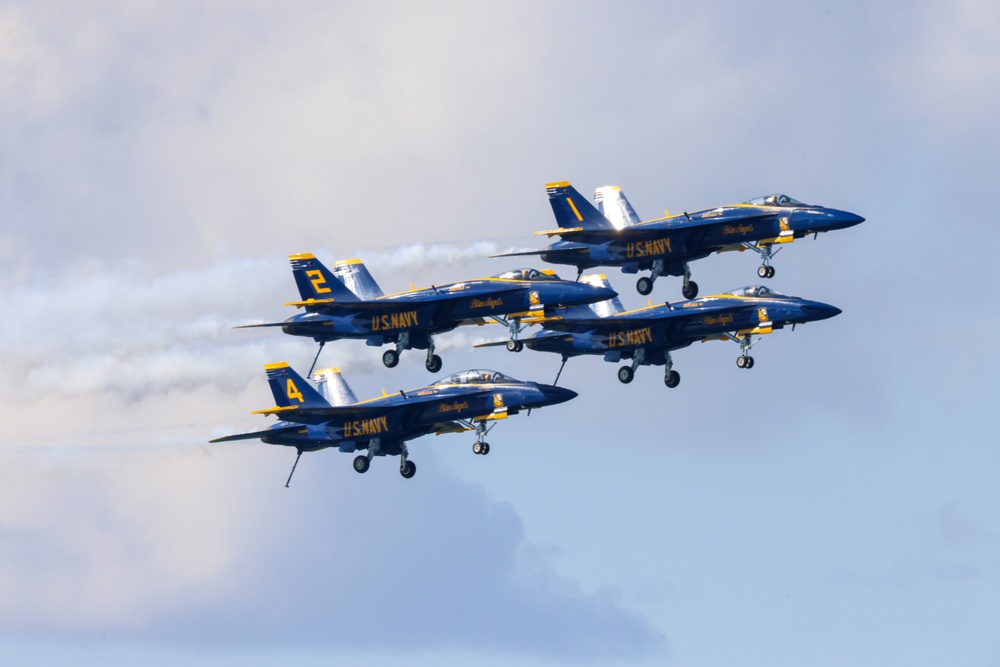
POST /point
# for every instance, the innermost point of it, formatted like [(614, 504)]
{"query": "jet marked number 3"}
[(318, 281), (293, 391)]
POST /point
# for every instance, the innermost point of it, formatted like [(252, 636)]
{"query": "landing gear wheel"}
[(672, 379), (690, 291), (390, 358), (477, 447), (749, 362), (486, 448), (625, 374), (741, 361), (514, 345), (433, 365), (644, 285), (408, 470), (762, 271), (770, 272), (361, 464)]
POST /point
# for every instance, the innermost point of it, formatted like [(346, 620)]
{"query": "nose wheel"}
[(514, 345), (765, 271), (744, 361), (480, 447)]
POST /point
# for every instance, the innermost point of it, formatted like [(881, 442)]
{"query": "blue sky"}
[(158, 162)]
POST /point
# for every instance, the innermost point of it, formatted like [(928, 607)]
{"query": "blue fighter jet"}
[(648, 335), (330, 416), (613, 235), (348, 303)]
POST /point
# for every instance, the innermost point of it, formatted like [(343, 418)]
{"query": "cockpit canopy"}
[(758, 291), (478, 376), (528, 274), (775, 200)]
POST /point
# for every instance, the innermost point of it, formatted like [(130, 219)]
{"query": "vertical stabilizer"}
[(292, 390), (354, 274), (316, 282), (613, 205), (333, 387), (603, 308), (572, 210)]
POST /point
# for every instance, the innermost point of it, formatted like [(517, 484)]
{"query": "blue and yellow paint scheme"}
[(614, 236), (647, 336), (347, 303), (309, 419)]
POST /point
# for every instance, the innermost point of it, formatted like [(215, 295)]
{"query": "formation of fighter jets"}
[(581, 317)]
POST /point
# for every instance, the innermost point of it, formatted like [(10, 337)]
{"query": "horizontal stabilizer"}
[(256, 435), (252, 326), (526, 253)]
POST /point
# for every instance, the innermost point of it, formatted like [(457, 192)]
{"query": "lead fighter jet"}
[(312, 419), (348, 303), (615, 236)]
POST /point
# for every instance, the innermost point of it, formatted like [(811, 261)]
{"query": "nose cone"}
[(551, 394), (815, 310), (843, 219), (581, 293)]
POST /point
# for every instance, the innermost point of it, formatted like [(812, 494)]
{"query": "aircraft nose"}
[(554, 394), (846, 218), (816, 310)]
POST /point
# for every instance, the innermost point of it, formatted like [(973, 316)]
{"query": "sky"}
[(160, 160)]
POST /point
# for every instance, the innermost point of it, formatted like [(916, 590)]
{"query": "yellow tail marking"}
[(318, 281), (272, 367), (573, 206), (293, 391)]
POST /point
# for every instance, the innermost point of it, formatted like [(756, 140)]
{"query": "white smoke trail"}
[(97, 329)]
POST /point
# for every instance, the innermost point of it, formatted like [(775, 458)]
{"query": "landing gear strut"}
[(671, 378), (433, 363), (627, 373), (766, 252), (407, 468), (745, 342)]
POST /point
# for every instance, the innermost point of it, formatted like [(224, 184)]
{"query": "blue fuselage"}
[(431, 311), (684, 238), (396, 418), (660, 329)]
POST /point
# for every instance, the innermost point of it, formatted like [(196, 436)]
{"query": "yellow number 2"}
[(293, 391), (318, 281)]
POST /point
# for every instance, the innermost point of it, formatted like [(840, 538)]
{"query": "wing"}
[(255, 435)]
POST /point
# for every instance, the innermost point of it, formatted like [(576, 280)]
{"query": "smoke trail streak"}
[(96, 329)]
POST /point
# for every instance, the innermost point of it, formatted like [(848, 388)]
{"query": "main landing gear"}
[(390, 358), (645, 285), (362, 462), (671, 378)]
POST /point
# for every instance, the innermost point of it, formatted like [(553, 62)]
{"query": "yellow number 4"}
[(293, 391)]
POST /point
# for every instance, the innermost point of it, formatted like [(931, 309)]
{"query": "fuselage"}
[(396, 418), (683, 238), (435, 310), (669, 327)]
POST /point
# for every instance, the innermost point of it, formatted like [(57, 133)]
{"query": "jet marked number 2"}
[(318, 281)]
